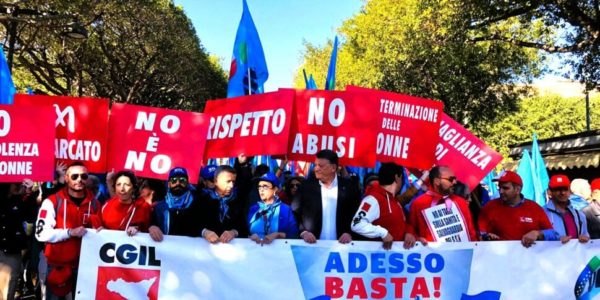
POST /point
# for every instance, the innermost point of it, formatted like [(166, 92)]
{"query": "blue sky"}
[(283, 27)]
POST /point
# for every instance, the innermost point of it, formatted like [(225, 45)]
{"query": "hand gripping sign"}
[(253, 125), (150, 141), (339, 121), (81, 128), (407, 127), (26, 143)]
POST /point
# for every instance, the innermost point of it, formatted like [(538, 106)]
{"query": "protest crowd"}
[(43, 222)]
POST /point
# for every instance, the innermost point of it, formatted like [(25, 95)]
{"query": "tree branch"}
[(527, 44)]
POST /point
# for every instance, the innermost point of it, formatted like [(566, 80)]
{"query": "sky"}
[(283, 27)]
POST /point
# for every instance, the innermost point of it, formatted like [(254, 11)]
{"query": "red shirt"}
[(511, 223), (115, 215), (419, 224)]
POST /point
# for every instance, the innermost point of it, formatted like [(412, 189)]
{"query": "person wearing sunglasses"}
[(63, 219), (126, 211), (441, 200), (270, 219), (178, 213)]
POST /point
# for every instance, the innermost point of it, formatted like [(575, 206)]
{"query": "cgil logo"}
[(129, 254)]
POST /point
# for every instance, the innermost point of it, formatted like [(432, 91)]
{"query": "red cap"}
[(512, 177), (595, 184), (559, 180)]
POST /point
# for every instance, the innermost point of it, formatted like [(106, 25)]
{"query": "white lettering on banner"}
[(159, 163), (60, 117), (226, 126), (77, 150), (473, 153), (336, 111), (391, 124), (392, 145), (15, 168), (504, 268), (408, 110), (344, 147), (19, 149), (5, 117)]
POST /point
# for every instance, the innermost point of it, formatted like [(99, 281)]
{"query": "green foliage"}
[(549, 116), (138, 52), (422, 48)]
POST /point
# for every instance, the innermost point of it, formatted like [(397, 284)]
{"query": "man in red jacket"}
[(440, 215), (63, 219), (380, 215)]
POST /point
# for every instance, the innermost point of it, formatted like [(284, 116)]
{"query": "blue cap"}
[(178, 171), (208, 172), (270, 177)]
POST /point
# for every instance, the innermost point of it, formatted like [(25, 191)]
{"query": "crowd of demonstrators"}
[(42, 224)]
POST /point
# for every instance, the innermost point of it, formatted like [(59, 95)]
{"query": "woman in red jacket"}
[(125, 211)]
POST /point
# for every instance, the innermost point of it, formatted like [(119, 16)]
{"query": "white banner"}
[(115, 266)]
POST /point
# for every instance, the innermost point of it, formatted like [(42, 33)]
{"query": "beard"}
[(178, 190)]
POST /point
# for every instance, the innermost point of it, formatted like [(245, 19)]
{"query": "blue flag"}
[(312, 85), (330, 81), (490, 186), (7, 87), (539, 167), (248, 71), (531, 184)]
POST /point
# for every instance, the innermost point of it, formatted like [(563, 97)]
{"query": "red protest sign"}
[(469, 157), (81, 128), (26, 143), (253, 125), (407, 127), (150, 141), (339, 121)]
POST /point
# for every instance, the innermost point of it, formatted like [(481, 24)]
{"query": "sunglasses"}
[(264, 187), (451, 179), (84, 176), (180, 179)]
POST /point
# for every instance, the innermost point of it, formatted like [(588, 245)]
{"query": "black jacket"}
[(311, 208), (12, 233)]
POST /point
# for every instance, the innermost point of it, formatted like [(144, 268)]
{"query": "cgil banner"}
[(150, 141), (26, 143), (81, 128), (407, 127), (116, 266), (469, 157), (253, 125)]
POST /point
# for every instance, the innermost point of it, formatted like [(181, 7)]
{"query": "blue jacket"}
[(286, 223), (556, 218)]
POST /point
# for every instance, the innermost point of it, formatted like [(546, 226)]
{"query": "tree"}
[(578, 22), (548, 116), (138, 52), (420, 48)]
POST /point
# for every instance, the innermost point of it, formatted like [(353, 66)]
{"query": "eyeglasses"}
[(180, 179), (264, 187), (84, 176), (451, 179)]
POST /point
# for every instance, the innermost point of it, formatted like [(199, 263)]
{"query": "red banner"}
[(81, 128), (333, 120), (150, 141), (253, 125), (407, 127), (469, 157), (26, 143)]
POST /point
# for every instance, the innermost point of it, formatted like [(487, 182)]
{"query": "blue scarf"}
[(180, 202), (224, 201), (266, 220)]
